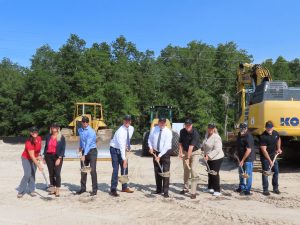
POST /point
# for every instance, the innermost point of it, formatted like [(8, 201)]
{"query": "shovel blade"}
[(212, 172), (165, 174), (244, 175), (123, 179), (267, 173), (86, 169)]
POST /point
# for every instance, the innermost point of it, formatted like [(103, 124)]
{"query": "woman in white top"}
[(212, 146)]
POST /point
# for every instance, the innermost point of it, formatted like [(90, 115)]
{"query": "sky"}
[(264, 28)]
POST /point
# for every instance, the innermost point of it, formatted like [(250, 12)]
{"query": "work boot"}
[(277, 192), (266, 193)]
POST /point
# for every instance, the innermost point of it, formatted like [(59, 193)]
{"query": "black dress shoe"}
[(114, 193), (277, 192), (166, 195), (80, 192), (239, 190), (93, 193), (183, 191), (247, 193)]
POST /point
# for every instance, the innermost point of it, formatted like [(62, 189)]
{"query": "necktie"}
[(128, 140), (158, 140)]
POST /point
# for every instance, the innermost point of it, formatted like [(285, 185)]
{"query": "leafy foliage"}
[(126, 81)]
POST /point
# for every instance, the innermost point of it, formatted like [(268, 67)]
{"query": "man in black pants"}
[(270, 145), (88, 148), (160, 144)]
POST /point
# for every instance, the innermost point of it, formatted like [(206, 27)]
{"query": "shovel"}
[(163, 174), (187, 165), (44, 175), (244, 175), (45, 178), (83, 168), (123, 179), (209, 171), (269, 172)]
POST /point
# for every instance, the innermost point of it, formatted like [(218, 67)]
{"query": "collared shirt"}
[(87, 139), (36, 147), (189, 138), (165, 140), (119, 140), (270, 141)]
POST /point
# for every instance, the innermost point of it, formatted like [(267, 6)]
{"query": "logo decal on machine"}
[(287, 121)]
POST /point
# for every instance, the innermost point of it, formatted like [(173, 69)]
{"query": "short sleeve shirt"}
[(269, 140), (36, 146), (244, 142), (187, 139)]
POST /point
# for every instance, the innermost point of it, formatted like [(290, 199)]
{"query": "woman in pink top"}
[(54, 153)]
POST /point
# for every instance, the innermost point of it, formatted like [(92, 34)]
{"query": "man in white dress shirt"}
[(160, 144), (119, 146)]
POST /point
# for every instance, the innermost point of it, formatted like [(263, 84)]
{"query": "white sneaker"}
[(206, 190), (217, 194)]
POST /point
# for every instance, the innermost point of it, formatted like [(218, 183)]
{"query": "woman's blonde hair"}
[(215, 131)]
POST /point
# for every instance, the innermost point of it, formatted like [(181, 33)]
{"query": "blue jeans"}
[(245, 184), (28, 180), (275, 169), (117, 161)]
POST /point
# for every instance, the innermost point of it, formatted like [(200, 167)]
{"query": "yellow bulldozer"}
[(94, 112), (260, 99)]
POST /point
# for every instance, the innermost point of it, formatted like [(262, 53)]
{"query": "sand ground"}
[(142, 207)]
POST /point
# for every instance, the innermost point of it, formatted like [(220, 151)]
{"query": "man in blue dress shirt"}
[(88, 148)]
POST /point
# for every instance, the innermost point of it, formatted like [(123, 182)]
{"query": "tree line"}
[(125, 80)]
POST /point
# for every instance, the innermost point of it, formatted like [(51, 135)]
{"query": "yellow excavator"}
[(260, 99)]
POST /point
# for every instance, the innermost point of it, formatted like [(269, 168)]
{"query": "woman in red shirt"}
[(30, 160), (53, 153)]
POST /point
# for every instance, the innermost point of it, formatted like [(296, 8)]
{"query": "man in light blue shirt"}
[(88, 148)]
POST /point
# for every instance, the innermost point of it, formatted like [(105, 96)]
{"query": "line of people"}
[(160, 146)]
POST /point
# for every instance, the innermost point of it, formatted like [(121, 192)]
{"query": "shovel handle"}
[(158, 163), (273, 161), (44, 175)]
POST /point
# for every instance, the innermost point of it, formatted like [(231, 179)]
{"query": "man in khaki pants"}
[(189, 152)]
